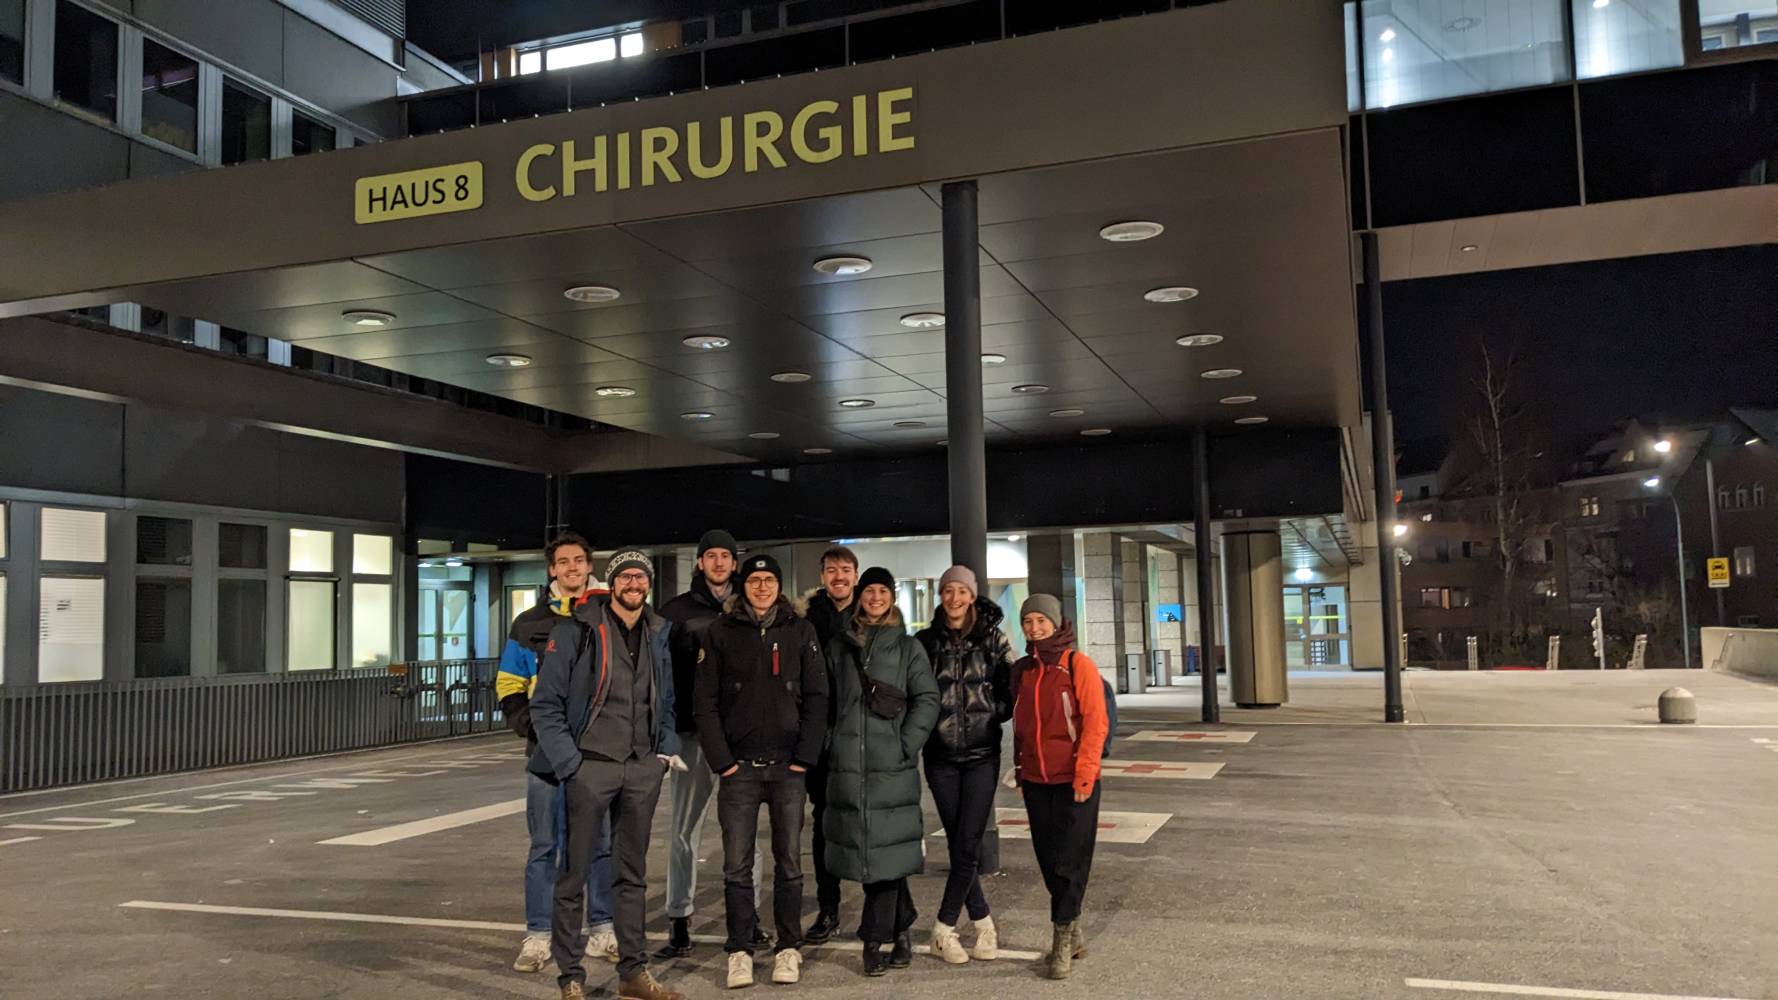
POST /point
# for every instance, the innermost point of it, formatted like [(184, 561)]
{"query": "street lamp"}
[(1663, 446), (1685, 627), (1400, 529)]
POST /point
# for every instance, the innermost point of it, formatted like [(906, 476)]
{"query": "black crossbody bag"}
[(883, 700)]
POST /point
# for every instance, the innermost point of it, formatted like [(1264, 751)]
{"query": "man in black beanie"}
[(692, 613)]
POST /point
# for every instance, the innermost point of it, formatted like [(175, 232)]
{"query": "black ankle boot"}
[(679, 938), (826, 925), (876, 963), (903, 954)]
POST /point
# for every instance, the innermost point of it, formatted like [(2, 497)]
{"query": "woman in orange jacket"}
[(1059, 729)]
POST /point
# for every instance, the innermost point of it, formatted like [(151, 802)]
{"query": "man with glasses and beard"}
[(606, 730)]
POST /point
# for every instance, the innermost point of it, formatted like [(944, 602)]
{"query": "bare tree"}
[(1501, 442)]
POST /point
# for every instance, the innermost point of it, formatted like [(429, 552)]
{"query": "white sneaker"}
[(987, 941), (740, 969), (787, 967), (602, 943), (946, 946), (533, 954)]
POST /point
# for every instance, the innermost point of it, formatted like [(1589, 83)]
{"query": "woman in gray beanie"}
[(972, 662)]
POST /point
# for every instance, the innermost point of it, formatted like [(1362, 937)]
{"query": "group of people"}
[(736, 691)]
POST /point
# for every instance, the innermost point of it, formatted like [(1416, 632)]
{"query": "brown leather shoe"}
[(574, 991), (643, 986)]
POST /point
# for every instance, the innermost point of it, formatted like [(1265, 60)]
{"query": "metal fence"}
[(66, 734)]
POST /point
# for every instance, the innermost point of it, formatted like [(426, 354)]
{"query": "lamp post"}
[(1685, 628)]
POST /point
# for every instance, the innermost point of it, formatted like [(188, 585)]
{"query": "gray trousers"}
[(628, 791), (691, 792)]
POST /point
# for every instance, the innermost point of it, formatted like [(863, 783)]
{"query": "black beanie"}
[(716, 538), (761, 564), (877, 574)]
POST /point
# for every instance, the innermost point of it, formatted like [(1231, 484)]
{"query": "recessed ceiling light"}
[(1170, 293), (857, 404), (923, 320), (1387, 36), (1469, 248), (764, 435), (1031, 389), (614, 392), (590, 293), (453, 563), (993, 359), (1237, 400), (706, 342), (843, 265), (908, 425), (1071, 412), (1221, 373), (696, 415), (791, 378), (1252, 420), (1095, 432), (1131, 232), (369, 318), (508, 360), (1198, 339), (817, 451)]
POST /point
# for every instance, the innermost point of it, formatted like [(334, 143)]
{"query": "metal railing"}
[(67, 734)]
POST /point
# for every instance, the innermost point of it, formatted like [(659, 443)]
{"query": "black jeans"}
[(964, 795), (628, 791), (738, 799), (1063, 834), (888, 911), (827, 884)]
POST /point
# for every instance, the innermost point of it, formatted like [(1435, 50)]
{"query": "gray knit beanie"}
[(959, 574), (1045, 605)]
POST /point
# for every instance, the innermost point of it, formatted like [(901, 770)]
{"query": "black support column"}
[(1383, 472), (1206, 579), (968, 465)]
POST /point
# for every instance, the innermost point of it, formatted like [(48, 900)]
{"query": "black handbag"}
[(883, 700)]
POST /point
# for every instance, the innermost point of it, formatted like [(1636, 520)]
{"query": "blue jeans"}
[(546, 815)]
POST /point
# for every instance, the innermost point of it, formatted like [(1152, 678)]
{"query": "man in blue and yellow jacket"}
[(569, 560)]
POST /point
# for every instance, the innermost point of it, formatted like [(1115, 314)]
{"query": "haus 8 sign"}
[(820, 131)]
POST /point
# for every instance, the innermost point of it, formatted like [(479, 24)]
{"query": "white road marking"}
[(1508, 989), (1158, 769), (1191, 736), (201, 788), (471, 925), (422, 827), (18, 840)]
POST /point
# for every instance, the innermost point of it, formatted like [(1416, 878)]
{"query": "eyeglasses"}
[(631, 576), (765, 581)]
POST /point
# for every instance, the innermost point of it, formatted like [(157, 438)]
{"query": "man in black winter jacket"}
[(692, 614), (761, 706), (828, 609)]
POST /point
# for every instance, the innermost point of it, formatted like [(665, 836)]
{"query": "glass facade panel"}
[(1429, 50), (311, 624), (12, 40), (246, 124), (310, 136), (240, 627), (163, 541), (163, 628), (1626, 37), (1728, 24), (73, 535), (373, 621), (70, 629), (311, 551), (240, 546), (373, 555), (86, 60), (169, 96)]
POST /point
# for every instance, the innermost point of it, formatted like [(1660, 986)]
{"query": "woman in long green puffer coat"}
[(873, 823)]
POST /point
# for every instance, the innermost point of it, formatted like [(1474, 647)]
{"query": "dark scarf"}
[(1051, 649)]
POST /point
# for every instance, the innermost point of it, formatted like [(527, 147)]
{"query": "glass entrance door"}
[(444, 624), (1316, 630)]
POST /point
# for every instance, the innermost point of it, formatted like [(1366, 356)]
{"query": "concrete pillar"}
[(1364, 597), (1253, 588), (1168, 635), (966, 459), (1051, 568), (1102, 585)]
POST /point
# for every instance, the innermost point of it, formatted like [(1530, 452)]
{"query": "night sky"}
[(1681, 336)]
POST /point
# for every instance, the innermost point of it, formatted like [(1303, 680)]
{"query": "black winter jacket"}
[(761, 692), (692, 613), (974, 674), (828, 620)]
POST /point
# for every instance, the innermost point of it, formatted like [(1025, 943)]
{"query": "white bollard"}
[(1678, 706)]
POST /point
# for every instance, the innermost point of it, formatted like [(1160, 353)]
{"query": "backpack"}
[(1110, 704)]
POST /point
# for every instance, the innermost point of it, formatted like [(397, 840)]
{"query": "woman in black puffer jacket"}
[(972, 661)]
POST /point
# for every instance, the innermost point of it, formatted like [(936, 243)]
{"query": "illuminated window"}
[(311, 624), (530, 62), (581, 53), (1744, 561), (1429, 50), (70, 629), (1626, 37), (311, 551), (1728, 24), (630, 45), (373, 555)]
